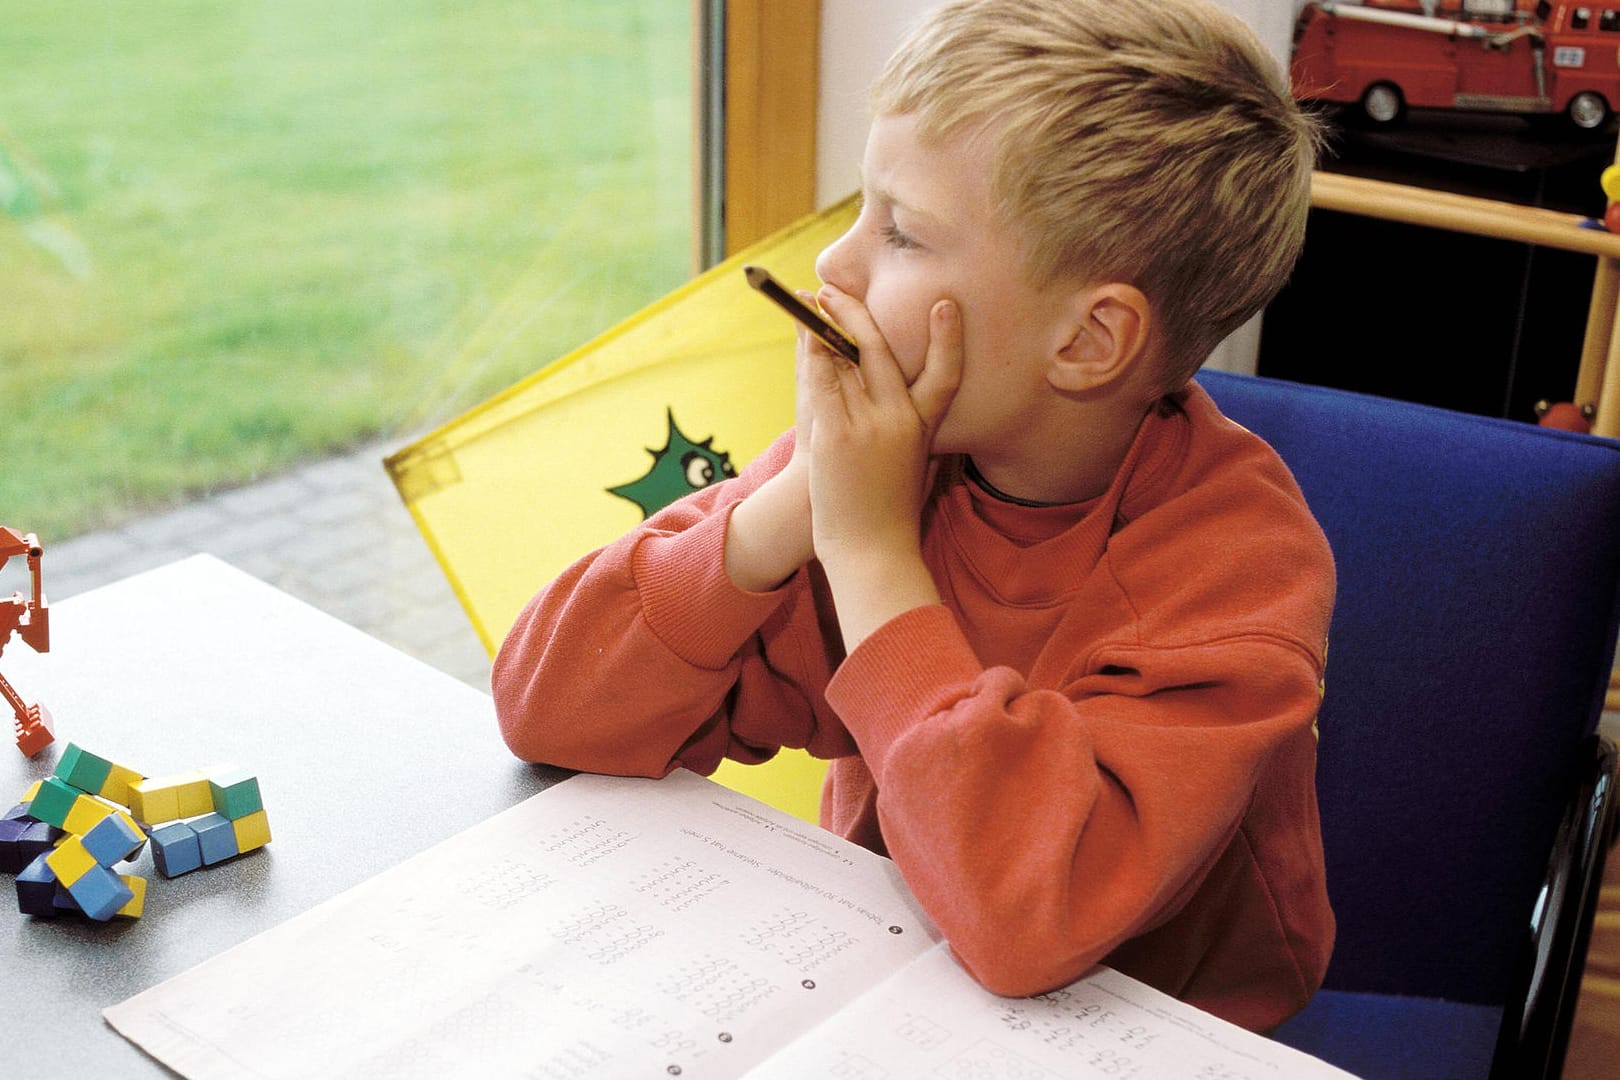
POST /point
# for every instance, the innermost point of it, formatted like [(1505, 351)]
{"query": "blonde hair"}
[(1153, 142)]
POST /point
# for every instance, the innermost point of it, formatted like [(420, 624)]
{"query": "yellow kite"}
[(514, 490)]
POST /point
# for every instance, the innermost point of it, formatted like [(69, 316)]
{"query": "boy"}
[(1058, 624)]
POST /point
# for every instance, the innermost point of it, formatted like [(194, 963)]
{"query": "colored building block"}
[(235, 792), (100, 892), (252, 831), (136, 905), (16, 812), (116, 787), (69, 860), (87, 812), (36, 890), (64, 903), (22, 841), (175, 849), (215, 837), (82, 769), (53, 801), (33, 789), (153, 801), (114, 838), (192, 794)]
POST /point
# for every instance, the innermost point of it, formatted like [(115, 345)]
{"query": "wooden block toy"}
[(175, 849), (116, 787), (100, 892), (154, 801), (36, 890), (33, 789), (192, 793), (82, 769), (234, 791), (252, 831), (69, 861), (16, 812), (22, 841), (114, 838), (53, 801), (63, 901), (137, 893), (215, 837), (87, 812)]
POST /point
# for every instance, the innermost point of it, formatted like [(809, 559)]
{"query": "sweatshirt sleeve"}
[(644, 656), (1042, 828)]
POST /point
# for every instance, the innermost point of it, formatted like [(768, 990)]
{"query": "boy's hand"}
[(870, 469), (769, 534)]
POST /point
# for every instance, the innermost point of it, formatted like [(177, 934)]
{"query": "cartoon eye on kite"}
[(680, 468)]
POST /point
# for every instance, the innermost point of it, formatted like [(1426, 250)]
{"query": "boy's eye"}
[(897, 239)]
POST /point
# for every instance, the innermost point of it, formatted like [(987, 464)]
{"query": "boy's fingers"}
[(878, 369), (942, 370)]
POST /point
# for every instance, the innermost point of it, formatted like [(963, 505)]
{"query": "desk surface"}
[(364, 756)]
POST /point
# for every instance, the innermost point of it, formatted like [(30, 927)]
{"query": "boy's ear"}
[(1107, 335)]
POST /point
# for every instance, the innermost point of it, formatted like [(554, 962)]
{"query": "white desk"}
[(364, 756)]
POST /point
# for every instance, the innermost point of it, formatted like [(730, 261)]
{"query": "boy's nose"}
[(836, 265)]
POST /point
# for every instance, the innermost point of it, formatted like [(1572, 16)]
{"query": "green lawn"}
[(235, 234)]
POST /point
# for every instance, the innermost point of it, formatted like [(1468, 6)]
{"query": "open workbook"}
[(609, 928)]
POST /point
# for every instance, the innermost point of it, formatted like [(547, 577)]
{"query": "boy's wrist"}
[(873, 584), (768, 535)]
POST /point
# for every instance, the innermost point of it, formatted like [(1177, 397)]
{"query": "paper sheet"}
[(603, 928), (610, 928)]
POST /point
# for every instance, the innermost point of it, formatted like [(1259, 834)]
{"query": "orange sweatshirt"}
[(1099, 748)]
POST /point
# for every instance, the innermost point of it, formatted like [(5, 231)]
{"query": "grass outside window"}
[(236, 235)]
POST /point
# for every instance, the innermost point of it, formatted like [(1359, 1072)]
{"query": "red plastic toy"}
[(29, 617), (1513, 56)]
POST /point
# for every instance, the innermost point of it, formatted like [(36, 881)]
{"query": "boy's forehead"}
[(937, 178)]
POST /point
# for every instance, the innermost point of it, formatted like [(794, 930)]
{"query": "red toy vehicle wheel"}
[(1382, 104), (1587, 110)]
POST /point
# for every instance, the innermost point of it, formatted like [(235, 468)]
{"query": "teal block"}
[(113, 839), (82, 769), (100, 893), (175, 850), (215, 837), (55, 799), (235, 792)]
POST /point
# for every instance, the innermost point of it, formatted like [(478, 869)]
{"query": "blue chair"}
[(1466, 797)]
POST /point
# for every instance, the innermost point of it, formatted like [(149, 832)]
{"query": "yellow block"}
[(153, 801), (33, 789), (87, 811), (116, 787), (70, 861), (192, 793), (252, 831), (137, 903)]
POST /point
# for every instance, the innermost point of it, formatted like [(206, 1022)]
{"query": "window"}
[(234, 235)]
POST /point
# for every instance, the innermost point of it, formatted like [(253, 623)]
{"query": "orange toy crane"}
[(30, 618)]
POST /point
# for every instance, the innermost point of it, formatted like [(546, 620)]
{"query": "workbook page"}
[(933, 1020), (604, 928)]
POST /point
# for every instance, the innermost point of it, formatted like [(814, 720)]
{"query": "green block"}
[(235, 793), (54, 801), (82, 769)]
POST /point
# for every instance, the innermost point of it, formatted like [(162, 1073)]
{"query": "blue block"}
[(113, 839), (175, 849), (100, 892), (18, 811), (216, 836), (36, 890), (64, 902)]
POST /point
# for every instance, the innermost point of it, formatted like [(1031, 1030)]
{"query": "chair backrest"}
[(1470, 651)]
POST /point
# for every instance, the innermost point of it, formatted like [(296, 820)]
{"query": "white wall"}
[(858, 35)]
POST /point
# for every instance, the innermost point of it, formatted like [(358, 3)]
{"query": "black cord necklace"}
[(977, 477)]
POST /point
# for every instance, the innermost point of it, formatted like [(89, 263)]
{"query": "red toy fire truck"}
[(1513, 56)]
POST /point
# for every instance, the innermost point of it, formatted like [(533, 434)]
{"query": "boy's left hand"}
[(870, 468)]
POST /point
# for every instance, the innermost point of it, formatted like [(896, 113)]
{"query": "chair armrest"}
[(1537, 1018)]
